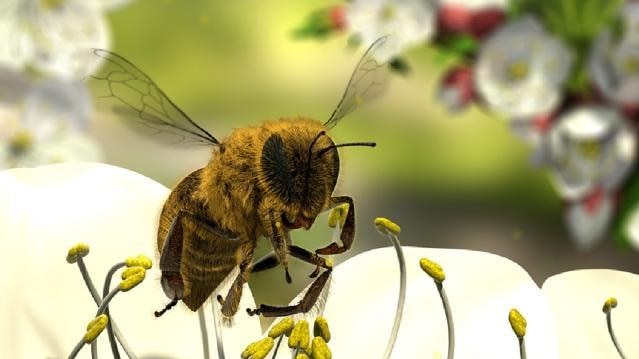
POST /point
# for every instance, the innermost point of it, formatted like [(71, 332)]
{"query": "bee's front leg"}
[(278, 235), (348, 232)]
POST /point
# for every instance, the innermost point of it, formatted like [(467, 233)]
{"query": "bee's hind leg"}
[(304, 305), (270, 260)]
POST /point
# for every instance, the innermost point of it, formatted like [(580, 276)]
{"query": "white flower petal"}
[(577, 298), (481, 288), (588, 226), (43, 212), (615, 68)]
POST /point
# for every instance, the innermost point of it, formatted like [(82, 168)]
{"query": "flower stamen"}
[(607, 308), (436, 272), (218, 327), (391, 230), (518, 324)]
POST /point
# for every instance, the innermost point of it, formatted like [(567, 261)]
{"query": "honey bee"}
[(262, 181)]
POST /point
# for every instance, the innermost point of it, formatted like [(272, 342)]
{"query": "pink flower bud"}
[(456, 90)]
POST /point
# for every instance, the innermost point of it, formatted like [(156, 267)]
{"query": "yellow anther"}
[(301, 356), (517, 322), (258, 350), (283, 327), (320, 329), (328, 262), (434, 270), (79, 250), (131, 277), (141, 261), (95, 327), (320, 349), (385, 225), (300, 336), (338, 214), (609, 304)]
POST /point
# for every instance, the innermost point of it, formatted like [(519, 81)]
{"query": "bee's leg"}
[(348, 232), (270, 260), (267, 262), (304, 305), (232, 300), (277, 235)]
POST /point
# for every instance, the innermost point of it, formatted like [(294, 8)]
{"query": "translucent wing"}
[(142, 103), (368, 81)]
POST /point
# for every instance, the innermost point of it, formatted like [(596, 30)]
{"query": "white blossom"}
[(614, 66), (408, 22), (521, 69)]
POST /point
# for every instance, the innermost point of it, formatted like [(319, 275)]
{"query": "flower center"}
[(51, 4), (631, 65), (589, 148), (20, 143), (517, 70), (388, 12)]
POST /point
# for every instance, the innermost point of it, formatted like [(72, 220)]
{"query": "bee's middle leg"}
[(270, 260), (231, 303)]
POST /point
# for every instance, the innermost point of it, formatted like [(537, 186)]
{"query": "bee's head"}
[(299, 166)]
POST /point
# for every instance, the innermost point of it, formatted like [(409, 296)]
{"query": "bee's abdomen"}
[(206, 262)]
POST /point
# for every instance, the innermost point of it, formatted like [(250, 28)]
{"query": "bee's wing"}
[(142, 103), (369, 80)]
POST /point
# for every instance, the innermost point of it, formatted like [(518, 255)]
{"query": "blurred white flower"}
[(363, 296), (521, 69), (52, 36), (408, 22), (630, 19), (589, 147), (475, 4), (576, 299), (632, 229), (456, 90), (589, 219), (45, 211), (43, 122), (614, 66), (109, 4)]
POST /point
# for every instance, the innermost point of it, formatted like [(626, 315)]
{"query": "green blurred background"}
[(450, 181)]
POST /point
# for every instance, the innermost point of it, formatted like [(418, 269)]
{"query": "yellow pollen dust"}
[(338, 214), (300, 337), (283, 327), (131, 277), (517, 322), (79, 250), (320, 349), (589, 148), (517, 70), (95, 327), (388, 12), (433, 269), (258, 350), (609, 304), (385, 224), (631, 65), (320, 329), (51, 4)]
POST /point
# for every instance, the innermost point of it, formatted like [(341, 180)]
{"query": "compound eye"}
[(275, 168)]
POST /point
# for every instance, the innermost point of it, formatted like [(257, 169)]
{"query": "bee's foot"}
[(253, 312), (315, 272), (220, 299), (289, 280)]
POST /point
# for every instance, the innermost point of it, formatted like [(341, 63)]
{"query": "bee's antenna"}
[(310, 154), (324, 150), (159, 313)]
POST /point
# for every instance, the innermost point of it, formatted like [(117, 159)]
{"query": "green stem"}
[(402, 294), (205, 335), (612, 334), (449, 319)]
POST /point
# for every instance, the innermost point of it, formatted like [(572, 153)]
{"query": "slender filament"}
[(205, 334), (402, 294), (612, 334), (522, 348), (105, 291), (449, 319), (217, 322), (277, 346)]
